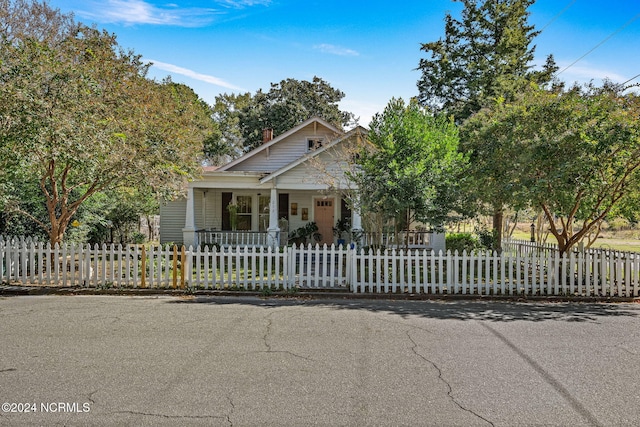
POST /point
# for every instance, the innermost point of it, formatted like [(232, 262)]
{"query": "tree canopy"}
[(483, 57), (409, 172), (242, 118), (573, 154), (226, 142), (486, 54), (79, 115)]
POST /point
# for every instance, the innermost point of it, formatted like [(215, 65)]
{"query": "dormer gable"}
[(286, 148)]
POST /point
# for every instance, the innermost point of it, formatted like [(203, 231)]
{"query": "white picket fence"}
[(252, 268), (524, 247), (261, 268), (487, 273)]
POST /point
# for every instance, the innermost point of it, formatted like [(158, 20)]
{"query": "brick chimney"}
[(267, 135)]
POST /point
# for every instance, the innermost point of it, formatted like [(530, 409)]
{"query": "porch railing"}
[(237, 238), (407, 238)]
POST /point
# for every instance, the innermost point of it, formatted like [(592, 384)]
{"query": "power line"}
[(558, 15), (634, 77), (600, 44)]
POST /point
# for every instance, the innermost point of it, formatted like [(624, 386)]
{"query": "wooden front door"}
[(324, 218)]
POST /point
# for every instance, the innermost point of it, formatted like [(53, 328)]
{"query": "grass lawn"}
[(621, 241)]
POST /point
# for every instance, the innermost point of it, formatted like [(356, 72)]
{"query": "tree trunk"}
[(407, 228), (515, 224), (56, 233), (498, 217)]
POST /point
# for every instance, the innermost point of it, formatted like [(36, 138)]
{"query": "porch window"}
[(244, 212), (263, 212)]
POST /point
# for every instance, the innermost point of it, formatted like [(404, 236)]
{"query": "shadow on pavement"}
[(457, 310)]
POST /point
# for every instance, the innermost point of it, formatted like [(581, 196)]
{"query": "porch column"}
[(273, 232), (189, 237), (356, 227)]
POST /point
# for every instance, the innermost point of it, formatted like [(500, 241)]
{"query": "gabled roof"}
[(277, 139), (355, 131)]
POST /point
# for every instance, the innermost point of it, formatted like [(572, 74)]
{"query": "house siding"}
[(207, 209), (172, 219), (285, 151), (307, 175), (304, 200), (286, 167)]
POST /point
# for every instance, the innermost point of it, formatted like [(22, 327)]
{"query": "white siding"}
[(284, 152), (207, 212), (304, 200), (172, 218), (321, 173)]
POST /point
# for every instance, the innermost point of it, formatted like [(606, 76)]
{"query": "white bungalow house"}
[(273, 190)]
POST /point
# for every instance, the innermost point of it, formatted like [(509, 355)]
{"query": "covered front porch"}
[(249, 209), (266, 217), (272, 217)]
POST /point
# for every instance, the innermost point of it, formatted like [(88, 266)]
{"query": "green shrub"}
[(461, 241), (138, 238), (620, 223), (486, 238)]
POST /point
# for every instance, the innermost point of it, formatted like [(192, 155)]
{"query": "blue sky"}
[(367, 49)]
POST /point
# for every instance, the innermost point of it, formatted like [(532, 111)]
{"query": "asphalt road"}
[(98, 360)]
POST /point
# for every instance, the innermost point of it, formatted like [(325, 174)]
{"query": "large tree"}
[(227, 142), (242, 118), (79, 116), (484, 56), (409, 172), (575, 155)]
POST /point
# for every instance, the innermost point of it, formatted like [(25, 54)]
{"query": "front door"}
[(324, 218)]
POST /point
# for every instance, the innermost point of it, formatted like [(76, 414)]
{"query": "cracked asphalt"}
[(246, 361)]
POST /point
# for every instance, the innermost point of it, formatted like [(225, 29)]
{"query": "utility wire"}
[(600, 44), (634, 77), (558, 15)]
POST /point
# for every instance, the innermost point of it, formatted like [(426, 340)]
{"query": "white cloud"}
[(584, 74), (143, 12), (194, 75), (239, 4), (335, 50)]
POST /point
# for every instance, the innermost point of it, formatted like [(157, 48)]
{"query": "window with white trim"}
[(244, 212)]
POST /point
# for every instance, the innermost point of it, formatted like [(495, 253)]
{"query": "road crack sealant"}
[(414, 348)]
